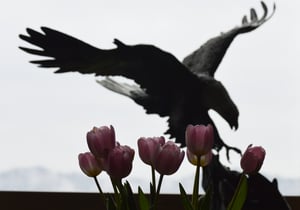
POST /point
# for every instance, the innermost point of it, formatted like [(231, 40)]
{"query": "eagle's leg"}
[(228, 148), (219, 144)]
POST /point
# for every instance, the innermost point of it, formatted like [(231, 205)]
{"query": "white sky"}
[(44, 117)]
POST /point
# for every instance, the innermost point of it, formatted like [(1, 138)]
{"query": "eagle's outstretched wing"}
[(206, 59), (142, 63)]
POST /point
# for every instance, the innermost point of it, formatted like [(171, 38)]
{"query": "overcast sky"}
[(44, 117)]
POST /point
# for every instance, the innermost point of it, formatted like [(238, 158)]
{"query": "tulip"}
[(204, 159), (199, 139), (119, 162), (252, 159), (89, 165), (101, 140), (169, 159), (149, 149)]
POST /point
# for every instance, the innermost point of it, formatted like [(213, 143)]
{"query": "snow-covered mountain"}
[(42, 179)]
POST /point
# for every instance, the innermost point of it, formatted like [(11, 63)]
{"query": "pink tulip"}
[(119, 162), (89, 165), (199, 139), (252, 159), (101, 140), (204, 159), (169, 159), (149, 149)]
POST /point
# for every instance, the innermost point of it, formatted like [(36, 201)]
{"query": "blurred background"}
[(44, 117)]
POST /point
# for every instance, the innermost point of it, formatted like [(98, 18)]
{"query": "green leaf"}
[(184, 198), (143, 201), (122, 196), (240, 194), (130, 196), (110, 203), (204, 201)]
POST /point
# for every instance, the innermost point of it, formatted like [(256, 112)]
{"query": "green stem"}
[(159, 184), (98, 185), (100, 190), (196, 185), (157, 192), (122, 195), (153, 187), (121, 188), (153, 178), (116, 193), (114, 185)]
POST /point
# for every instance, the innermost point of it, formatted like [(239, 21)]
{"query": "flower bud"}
[(119, 162), (252, 159), (199, 139), (204, 159), (101, 140), (149, 149), (89, 165), (169, 159)]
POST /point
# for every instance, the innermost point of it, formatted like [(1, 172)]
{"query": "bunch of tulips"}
[(164, 157)]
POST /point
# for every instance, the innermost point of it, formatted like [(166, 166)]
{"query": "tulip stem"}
[(116, 193), (123, 194), (153, 179), (98, 185), (196, 185), (159, 184), (100, 190), (153, 186), (157, 192), (114, 185)]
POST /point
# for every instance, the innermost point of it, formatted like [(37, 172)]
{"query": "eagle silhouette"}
[(182, 91)]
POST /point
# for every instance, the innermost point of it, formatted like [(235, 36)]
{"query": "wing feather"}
[(207, 58), (142, 63), (67, 53)]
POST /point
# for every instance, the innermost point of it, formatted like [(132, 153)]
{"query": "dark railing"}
[(15, 200)]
